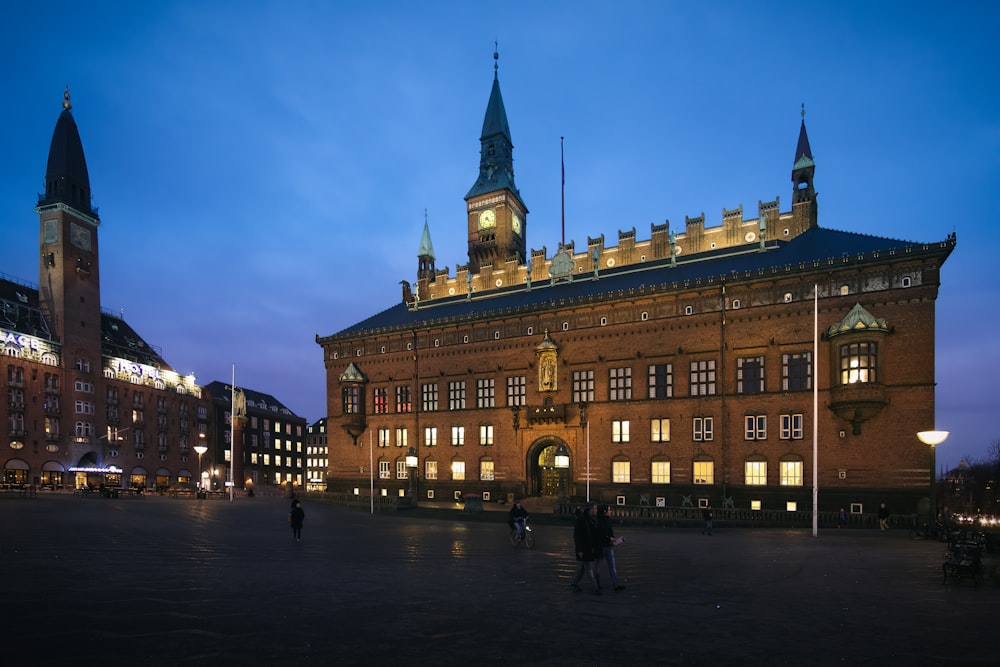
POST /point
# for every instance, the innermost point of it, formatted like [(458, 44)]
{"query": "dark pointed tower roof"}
[(66, 178), (803, 154), (496, 157)]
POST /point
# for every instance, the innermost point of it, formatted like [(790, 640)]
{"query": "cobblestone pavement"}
[(163, 581)]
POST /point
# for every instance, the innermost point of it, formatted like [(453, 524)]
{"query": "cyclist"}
[(516, 518)]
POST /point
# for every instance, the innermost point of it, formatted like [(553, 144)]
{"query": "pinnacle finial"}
[(425, 216), (803, 112), (496, 57), (66, 104)]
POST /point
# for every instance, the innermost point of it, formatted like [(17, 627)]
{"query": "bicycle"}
[(521, 533)]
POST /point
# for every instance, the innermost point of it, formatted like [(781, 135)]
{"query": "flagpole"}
[(232, 434), (562, 166), (815, 419), (371, 472)]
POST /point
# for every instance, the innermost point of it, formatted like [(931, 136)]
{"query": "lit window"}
[(661, 472), (402, 472), (383, 437), (458, 470), (755, 473), (457, 436), (858, 363), (430, 470), (619, 430), (384, 471), (621, 472), (703, 472), (516, 391), (791, 473), (659, 429), (486, 435), (486, 471), (430, 436)]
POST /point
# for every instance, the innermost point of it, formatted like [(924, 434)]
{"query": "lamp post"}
[(201, 449), (562, 465), (411, 465), (933, 438)]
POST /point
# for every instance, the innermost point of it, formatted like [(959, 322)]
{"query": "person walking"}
[(609, 541), (883, 517), (842, 518), (296, 517), (706, 515), (586, 542)]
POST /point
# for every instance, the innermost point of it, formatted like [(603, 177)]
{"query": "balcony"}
[(353, 424), (16, 406), (547, 414), (857, 402)]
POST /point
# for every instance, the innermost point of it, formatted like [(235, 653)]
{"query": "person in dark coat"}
[(587, 543), (516, 518), (706, 515), (608, 543), (296, 518)]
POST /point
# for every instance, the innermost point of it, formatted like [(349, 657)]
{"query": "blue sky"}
[(262, 168)]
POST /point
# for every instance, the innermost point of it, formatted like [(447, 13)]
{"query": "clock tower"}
[(69, 285), (497, 216)]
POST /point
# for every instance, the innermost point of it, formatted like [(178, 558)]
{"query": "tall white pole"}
[(371, 472), (588, 460), (815, 419), (232, 434)]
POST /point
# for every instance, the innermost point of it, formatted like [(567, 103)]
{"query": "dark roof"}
[(221, 392), (802, 148), (20, 312), (66, 177), (728, 264)]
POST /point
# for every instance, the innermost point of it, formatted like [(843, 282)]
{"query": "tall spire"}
[(803, 167), (425, 254), (496, 160), (802, 149), (66, 178)]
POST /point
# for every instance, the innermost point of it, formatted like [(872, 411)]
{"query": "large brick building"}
[(88, 400), (684, 365)]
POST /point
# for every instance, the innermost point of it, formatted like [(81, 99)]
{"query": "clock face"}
[(487, 219), (79, 236), (516, 224)]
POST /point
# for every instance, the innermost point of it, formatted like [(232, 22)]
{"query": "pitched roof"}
[(724, 265)]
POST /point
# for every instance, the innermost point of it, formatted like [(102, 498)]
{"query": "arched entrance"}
[(545, 478)]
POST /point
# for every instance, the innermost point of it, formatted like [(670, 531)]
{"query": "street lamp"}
[(562, 465), (933, 438), (411, 465), (201, 449)]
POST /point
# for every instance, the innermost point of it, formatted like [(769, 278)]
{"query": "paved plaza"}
[(168, 581)]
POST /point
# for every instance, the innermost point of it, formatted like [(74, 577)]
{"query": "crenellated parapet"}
[(735, 231)]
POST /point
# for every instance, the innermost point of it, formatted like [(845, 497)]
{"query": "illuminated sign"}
[(20, 340), (111, 469), (132, 368)]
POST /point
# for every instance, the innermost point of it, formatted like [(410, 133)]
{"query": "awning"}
[(16, 464), (52, 466), (139, 470)]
